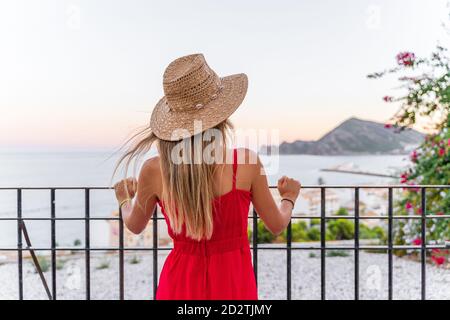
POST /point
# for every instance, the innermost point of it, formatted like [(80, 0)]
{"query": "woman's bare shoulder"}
[(151, 170), (247, 156), (151, 164), (248, 160), (149, 181)]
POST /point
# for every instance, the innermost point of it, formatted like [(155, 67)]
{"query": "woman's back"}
[(229, 202), (220, 266)]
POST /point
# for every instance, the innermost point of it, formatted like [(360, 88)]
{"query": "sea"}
[(95, 168)]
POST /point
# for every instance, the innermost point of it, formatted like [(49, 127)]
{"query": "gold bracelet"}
[(123, 202)]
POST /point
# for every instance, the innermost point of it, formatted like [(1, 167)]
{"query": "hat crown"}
[(189, 83)]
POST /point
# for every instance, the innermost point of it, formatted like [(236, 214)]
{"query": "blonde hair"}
[(188, 191)]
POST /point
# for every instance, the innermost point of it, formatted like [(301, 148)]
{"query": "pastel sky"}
[(86, 73)]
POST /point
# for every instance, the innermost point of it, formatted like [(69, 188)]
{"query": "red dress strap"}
[(234, 168)]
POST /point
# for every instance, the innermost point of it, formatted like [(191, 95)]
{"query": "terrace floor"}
[(271, 277)]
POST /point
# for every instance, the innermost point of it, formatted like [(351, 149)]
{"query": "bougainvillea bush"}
[(426, 94)]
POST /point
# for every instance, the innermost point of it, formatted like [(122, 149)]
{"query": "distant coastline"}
[(354, 137)]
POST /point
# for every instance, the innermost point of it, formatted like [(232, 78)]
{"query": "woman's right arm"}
[(137, 215), (276, 218)]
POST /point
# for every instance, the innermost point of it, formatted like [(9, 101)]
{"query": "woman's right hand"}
[(125, 189), (289, 188)]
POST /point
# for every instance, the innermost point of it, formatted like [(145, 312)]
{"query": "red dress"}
[(216, 269)]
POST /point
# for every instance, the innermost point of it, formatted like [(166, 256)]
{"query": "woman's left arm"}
[(136, 213)]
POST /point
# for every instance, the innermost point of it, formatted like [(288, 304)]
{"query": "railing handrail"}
[(308, 186)]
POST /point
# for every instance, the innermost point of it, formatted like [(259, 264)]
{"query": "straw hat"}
[(195, 98)]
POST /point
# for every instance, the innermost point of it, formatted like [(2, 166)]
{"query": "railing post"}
[(53, 240), (390, 244), (322, 244), (155, 252), (87, 242), (121, 257), (255, 245), (356, 243), (288, 259), (423, 245), (19, 242)]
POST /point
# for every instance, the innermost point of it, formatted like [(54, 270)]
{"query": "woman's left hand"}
[(125, 189)]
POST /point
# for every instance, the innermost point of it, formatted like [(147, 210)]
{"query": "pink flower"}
[(440, 213), (441, 152), (408, 205), (438, 256), (419, 211), (406, 58), (448, 143), (440, 260), (404, 178), (414, 156), (388, 125), (417, 242), (388, 98)]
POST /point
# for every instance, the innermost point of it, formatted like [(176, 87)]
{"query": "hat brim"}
[(176, 125)]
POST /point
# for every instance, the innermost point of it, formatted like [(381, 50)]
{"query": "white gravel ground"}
[(271, 277)]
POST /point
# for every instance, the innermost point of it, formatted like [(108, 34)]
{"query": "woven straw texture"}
[(195, 98)]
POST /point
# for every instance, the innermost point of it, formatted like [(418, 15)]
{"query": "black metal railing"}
[(322, 245)]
